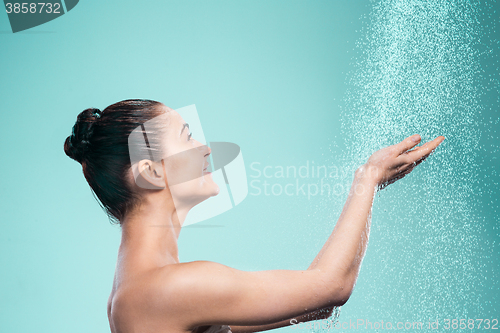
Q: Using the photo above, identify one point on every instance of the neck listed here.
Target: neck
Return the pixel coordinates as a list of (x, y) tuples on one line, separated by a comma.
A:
[(151, 232)]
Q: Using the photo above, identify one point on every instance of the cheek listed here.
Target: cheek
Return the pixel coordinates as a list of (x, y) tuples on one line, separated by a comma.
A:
[(183, 168)]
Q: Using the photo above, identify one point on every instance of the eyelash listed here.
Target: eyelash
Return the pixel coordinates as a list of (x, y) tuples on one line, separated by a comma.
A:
[(189, 136)]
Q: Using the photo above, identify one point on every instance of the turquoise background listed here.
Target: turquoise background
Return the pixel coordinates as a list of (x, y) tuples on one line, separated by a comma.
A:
[(267, 75)]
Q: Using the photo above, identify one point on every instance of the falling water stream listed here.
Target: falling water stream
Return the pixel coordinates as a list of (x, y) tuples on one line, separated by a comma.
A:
[(416, 71)]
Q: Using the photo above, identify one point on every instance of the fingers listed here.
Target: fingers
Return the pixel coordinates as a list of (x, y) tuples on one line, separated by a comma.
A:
[(402, 164), (408, 167), (408, 143), (424, 151), (409, 160)]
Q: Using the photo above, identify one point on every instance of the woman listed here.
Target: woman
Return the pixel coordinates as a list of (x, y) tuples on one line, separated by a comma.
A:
[(152, 291)]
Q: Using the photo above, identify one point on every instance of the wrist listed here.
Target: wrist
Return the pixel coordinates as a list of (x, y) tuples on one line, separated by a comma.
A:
[(368, 175)]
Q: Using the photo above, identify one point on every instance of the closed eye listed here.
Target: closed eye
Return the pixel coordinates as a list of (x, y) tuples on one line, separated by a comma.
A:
[(189, 136)]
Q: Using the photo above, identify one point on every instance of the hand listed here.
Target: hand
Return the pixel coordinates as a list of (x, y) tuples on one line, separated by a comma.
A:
[(394, 162)]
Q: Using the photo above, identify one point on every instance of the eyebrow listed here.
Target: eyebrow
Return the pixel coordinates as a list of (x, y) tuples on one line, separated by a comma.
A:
[(183, 127)]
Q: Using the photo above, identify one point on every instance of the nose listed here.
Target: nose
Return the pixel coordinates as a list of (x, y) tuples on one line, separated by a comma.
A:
[(206, 150)]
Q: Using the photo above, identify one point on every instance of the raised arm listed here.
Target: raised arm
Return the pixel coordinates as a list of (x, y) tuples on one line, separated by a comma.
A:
[(207, 293), (346, 246)]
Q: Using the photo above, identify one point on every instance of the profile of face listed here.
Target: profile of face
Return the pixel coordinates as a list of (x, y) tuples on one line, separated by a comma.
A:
[(185, 162)]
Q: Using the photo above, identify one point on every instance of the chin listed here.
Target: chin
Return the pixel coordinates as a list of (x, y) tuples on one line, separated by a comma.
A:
[(213, 193), (216, 190)]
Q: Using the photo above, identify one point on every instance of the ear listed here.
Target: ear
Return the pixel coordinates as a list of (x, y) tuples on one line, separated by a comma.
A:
[(150, 175)]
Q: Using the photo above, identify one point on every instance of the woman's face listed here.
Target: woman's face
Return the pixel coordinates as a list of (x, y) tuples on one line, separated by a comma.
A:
[(186, 164)]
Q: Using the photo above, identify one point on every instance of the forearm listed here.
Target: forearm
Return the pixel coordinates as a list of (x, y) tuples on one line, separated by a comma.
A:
[(341, 256)]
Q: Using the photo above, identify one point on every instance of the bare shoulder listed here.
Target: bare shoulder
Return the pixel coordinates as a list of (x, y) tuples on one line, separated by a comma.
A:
[(159, 297), (143, 301)]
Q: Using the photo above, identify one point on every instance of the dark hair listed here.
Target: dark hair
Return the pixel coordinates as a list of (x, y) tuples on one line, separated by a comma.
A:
[(99, 142)]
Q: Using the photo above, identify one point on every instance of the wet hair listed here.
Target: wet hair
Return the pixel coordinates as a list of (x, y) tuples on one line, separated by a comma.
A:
[(99, 142)]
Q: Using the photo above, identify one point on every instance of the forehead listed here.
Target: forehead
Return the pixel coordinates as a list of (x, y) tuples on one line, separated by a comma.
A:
[(174, 118)]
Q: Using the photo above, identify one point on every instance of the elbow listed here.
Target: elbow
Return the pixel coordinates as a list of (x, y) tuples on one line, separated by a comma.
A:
[(337, 300), (336, 289), (346, 288), (341, 292), (343, 296)]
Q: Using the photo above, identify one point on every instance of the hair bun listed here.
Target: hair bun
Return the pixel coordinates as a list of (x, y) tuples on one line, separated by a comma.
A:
[(77, 144)]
